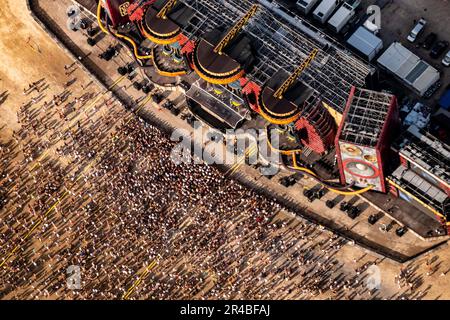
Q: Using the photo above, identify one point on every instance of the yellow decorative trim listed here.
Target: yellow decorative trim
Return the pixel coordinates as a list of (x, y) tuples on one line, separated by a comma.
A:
[(218, 81), (278, 121), (137, 55), (231, 34), (99, 21), (344, 193), (221, 75), (159, 40), (336, 115), (278, 114)]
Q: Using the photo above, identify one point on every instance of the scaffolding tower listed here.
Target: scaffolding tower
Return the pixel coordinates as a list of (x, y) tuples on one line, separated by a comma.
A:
[(364, 138), (279, 44), (366, 117)]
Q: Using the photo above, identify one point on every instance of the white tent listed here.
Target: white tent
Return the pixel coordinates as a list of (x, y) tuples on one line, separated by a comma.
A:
[(408, 67)]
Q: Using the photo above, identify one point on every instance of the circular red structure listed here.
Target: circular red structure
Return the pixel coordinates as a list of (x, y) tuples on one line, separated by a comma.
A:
[(361, 169)]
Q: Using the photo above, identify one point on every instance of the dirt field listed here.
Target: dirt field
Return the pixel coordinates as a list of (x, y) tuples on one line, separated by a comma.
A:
[(28, 54)]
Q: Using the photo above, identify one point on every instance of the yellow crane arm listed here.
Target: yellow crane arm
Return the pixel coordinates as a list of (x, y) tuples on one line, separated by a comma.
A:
[(162, 14), (294, 76), (235, 30)]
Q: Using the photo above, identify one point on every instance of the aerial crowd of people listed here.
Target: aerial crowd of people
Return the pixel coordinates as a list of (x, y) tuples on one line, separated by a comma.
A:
[(92, 186)]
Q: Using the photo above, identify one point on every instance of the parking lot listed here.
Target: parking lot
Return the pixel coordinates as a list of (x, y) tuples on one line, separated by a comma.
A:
[(398, 18)]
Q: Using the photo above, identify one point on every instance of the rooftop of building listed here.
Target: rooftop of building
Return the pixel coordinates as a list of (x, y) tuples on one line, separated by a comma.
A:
[(426, 151), (409, 67), (421, 189), (280, 44), (217, 107), (366, 117)]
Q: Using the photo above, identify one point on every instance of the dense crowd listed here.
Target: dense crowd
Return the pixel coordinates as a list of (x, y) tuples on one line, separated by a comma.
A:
[(98, 190)]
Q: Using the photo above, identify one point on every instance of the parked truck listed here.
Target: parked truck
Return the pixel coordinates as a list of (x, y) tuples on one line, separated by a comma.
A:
[(343, 16), (325, 9), (305, 6)]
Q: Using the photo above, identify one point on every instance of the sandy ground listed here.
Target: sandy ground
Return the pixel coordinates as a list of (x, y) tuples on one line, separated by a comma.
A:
[(28, 54), (25, 52)]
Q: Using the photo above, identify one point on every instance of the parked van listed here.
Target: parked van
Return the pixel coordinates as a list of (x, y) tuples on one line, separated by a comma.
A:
[(306, 6), (417, 30), (325, 10), (342, 16)]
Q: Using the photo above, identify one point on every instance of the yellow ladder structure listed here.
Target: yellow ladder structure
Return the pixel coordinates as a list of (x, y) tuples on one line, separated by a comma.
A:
[(235, 30), (162, 14), (294, 76)]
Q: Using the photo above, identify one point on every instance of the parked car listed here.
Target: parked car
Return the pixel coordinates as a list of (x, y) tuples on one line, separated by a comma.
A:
[(432, 90), (446, 60), (438, 49), (429, 41), (401, 231), (417, 30)]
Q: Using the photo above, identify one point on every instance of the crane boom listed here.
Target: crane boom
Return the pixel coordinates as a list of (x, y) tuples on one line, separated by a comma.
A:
[(293, 77), (162, 14), (235, 30)]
